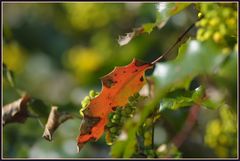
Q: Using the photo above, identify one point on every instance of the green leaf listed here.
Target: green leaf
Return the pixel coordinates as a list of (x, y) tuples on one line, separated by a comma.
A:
[(175, 103), (198, 94), (228, 80), (211, 104), (39, 108), (130, 149), (117, 149), (182, 100), (8, 74), (164, 11), (167, 9), (195, 58), (148, 27), (126, 148)]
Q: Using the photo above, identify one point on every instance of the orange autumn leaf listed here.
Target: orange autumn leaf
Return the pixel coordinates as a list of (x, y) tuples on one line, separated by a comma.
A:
[(117, 87)]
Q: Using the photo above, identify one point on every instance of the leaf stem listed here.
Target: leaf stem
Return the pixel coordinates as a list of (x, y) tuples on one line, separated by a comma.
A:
[(180, 38)]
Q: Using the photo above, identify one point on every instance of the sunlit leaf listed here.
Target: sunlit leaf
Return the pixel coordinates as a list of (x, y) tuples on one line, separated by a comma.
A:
[(175, 103), (194, 58), (167, 9), (117, 87), (198, 94), (164, 10), (211, 104), (148, 27), (183, 98)]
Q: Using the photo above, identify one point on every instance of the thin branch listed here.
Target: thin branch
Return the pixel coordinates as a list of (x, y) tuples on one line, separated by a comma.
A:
[(180, 38), (187, 127)]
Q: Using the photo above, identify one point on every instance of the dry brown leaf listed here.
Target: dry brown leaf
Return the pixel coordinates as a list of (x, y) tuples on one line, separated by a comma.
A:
[(55, 119), (16, 111), (123, 40)]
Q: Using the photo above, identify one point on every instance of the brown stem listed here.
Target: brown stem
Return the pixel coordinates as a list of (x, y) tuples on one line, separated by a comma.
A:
[(188, 125)]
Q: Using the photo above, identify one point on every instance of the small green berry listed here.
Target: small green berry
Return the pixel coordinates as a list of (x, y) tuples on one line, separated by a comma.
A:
[(114, 121), (116, 117), (207, 34), (122, 120), (147, 142), (81, 113), (147, 135), (92, 93), (136, 95), (84, 104), (118, 110), (128, 110), (85, 101), (123, 113), (214, 22), (217, 37), (110, 116), (203, 22), (226, 12), (131, 99), (109, 142), (113, 130), (109, 125), (200, 14), (222, 29), (200, 34), (149, 122), (151, 153)]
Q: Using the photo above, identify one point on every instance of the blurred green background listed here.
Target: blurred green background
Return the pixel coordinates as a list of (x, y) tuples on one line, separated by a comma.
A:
[(58, 52)]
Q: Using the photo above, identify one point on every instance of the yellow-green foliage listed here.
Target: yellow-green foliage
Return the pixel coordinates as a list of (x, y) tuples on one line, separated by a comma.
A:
[(221, 133), (218, 21)]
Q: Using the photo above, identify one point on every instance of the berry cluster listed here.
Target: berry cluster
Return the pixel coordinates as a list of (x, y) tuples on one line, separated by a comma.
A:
[(118, 117), (218, 22), (146, 132), (221, 133), (148, 138)]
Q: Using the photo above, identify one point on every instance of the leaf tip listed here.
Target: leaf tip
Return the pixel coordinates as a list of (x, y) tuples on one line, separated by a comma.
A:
[(47, 135), (123, 40), (79, 147)]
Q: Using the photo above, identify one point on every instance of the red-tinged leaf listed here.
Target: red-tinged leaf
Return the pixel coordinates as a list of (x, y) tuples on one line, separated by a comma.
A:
[(117, 87)]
